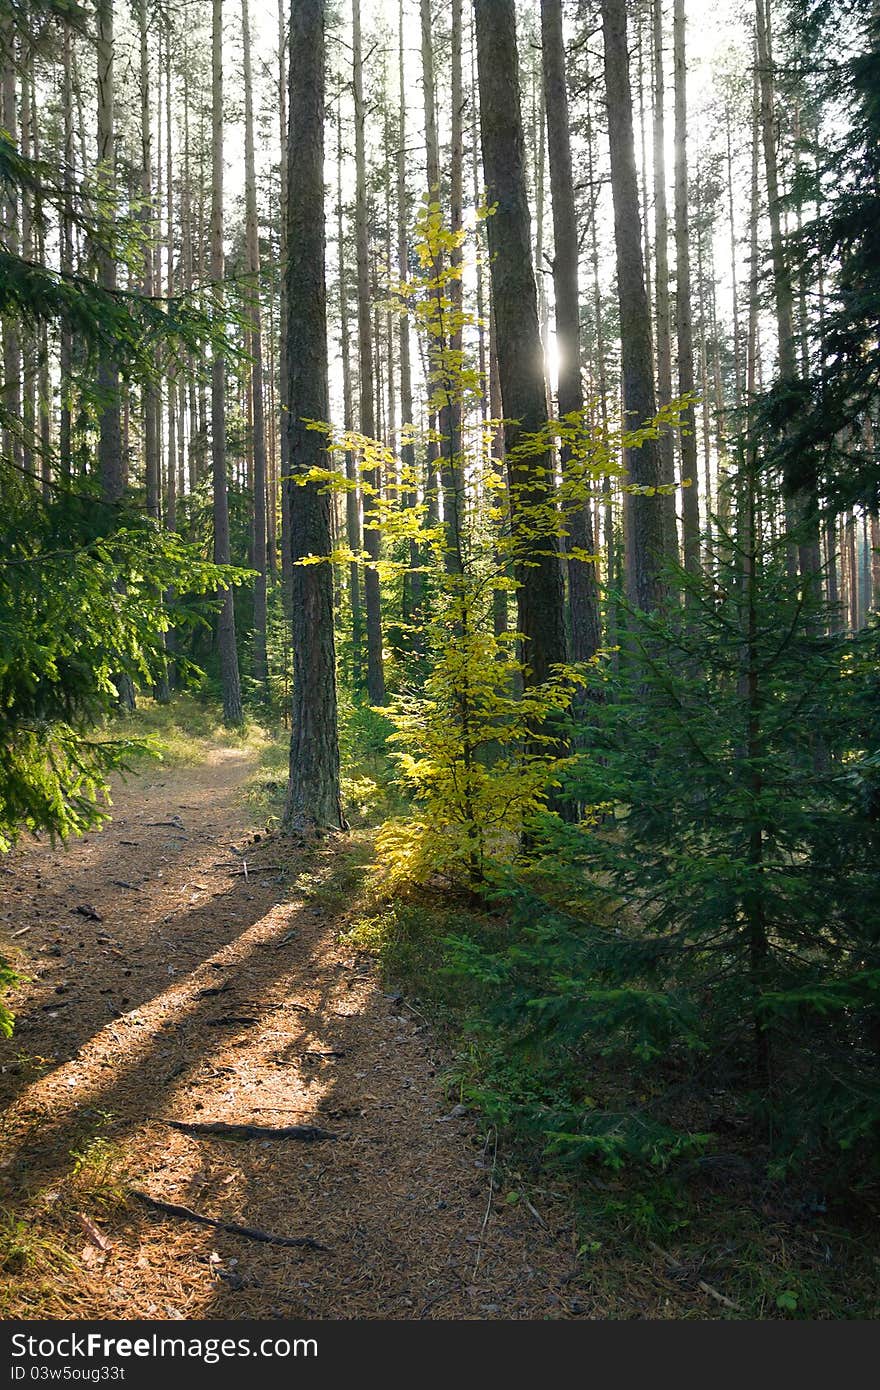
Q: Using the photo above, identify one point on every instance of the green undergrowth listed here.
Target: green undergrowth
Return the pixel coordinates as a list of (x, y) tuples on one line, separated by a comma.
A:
[(186, 729), (369, 793), (678, 1213)]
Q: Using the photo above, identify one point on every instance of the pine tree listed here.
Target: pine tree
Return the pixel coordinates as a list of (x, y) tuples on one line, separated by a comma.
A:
[(520, 357), (313, 791)]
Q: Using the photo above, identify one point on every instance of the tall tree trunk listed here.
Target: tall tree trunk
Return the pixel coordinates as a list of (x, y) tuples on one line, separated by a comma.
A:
[(520, 359), (28, 243), (440, 347), (432, 170), (496, 411), (683, 308), (582, 588), (65, 344), (44, 387), (804, 514), (371, 480), (170, 371), (661, 285), (413, 580), (110, 442), (149, 394), (313, 790), (352, 505), (538, 144), (451, 415), (187, 271), (283, 64), (11, 387), (643, 517), (228, 652), (643, 152), (252, 237), (482, 337)]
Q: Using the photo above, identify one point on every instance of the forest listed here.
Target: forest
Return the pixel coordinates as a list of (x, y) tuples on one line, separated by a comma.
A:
[(439, 659)]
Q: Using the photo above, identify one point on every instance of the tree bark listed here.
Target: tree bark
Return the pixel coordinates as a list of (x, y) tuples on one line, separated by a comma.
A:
[(371, 480), (661, 285), (65, 344), (313, 790), (683, 308), (352, 505), (252, 238), (582, 587), (643, 516), (803, 516), (110, 464), (11, 386), (149, 394), (520, 359), (413, 580), (283, 78), (228, 652)]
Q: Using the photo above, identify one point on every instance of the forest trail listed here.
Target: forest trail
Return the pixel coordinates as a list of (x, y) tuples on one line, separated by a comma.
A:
[(167, 984)]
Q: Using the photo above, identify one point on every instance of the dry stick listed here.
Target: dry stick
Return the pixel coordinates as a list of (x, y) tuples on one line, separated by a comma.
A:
[(251, 1232), (673, 1263), (308, 1133), (488, 1202)]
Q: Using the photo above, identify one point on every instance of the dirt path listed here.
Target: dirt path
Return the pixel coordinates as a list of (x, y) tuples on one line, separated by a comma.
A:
[(167, 985)]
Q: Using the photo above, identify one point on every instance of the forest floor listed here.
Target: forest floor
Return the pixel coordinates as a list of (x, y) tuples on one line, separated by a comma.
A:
[(168, 983), (188, 965)]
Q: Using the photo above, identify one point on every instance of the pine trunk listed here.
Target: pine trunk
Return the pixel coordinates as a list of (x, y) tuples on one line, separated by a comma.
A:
[(643, 516), (582, 587), (226, 643), (313, 791), (683, 308), (661, 284), (371, 480), (252, 239), (520, 359)]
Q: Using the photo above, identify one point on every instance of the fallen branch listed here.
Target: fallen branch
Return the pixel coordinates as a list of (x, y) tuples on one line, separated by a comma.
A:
[(675, 1265), (286, 939), (488, 1210), (719, 1297), (308, 1133), (250, 1232)]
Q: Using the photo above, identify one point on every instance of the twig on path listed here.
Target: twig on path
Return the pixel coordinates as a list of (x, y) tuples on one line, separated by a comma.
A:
[(308, 1133), (282, 1109), (488, 1202), (673, 1264), (287, 938), (437, 1298), (250, 1232), (719, 1297), (536, 1214)]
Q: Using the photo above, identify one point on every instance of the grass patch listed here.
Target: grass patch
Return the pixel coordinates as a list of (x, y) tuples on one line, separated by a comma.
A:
[(184, 731)]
